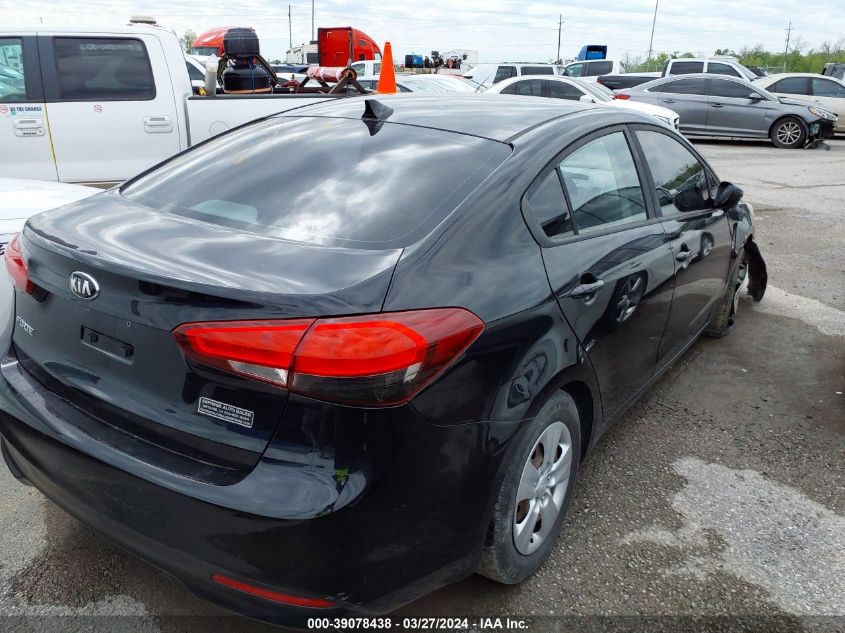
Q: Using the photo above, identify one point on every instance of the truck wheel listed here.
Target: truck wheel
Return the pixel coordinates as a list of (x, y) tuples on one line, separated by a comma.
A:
[(535, 494), (789, 133)]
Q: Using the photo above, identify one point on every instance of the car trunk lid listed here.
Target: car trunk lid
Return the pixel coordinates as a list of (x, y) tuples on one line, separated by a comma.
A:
[(114, 355)]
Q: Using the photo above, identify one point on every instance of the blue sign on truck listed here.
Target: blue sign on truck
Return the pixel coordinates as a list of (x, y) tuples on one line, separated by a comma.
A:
[(592, 51)]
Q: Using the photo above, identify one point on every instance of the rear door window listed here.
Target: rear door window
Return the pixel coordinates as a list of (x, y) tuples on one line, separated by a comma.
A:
[(527, 87), (103, 69), (346, 183), (686, 68), (564, 90), (792, 86), (685, 86), (548, 206), (730, 89), (602, 184)]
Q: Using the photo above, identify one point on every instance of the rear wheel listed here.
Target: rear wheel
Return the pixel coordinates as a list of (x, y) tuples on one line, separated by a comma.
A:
[(535, 493), (789, 133), (723, 322)]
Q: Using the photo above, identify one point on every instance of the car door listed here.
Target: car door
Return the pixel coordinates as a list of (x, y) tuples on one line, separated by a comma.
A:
[(607, 259), (24, 129), (688, 97), (830, 94), (732, 112), (111, 104), (699, 235)]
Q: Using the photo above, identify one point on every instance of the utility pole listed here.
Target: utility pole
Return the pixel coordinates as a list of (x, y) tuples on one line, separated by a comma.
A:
[(312, 20), (786, 51), (651, 40), (559, 30), (290, 29)]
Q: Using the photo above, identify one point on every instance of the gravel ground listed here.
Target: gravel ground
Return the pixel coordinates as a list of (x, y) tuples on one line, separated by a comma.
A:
[(721, 495)]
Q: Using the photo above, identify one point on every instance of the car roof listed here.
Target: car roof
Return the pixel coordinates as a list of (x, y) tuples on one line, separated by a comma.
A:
[(668, 78), (496, 117)]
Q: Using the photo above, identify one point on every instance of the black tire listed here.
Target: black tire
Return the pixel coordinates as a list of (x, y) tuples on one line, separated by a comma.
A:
[(789, 133), (500, 559), (723, 321)]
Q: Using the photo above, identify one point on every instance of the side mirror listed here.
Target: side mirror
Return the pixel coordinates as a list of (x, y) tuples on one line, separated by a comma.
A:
[(755, 96), (728, 196), (587, 99)]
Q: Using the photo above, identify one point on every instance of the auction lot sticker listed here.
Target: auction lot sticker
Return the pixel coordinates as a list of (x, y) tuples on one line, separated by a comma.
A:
[(225, 412)]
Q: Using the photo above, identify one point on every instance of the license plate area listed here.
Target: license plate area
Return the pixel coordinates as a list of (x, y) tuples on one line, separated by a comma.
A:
[(119, 350)]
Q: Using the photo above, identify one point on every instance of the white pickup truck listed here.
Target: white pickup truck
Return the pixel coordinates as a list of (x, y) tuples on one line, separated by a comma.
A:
[(96, 105)]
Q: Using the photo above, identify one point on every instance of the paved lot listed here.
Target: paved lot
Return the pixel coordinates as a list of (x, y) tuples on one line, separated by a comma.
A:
[(721, 493)]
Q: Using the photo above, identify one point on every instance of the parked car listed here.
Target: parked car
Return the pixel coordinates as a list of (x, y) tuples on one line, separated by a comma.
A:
[(20, 200), (726, 66), (487, 75), (344, 398), (422, 83), (120, 101), (827, 92), (736, 108), (572, 89)]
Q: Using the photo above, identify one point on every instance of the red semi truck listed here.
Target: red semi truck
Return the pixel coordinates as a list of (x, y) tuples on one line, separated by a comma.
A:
[(335, 45)]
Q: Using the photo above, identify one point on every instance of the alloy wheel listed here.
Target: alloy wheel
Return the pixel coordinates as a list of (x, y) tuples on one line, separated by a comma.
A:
[(789, 132), (542, 488)]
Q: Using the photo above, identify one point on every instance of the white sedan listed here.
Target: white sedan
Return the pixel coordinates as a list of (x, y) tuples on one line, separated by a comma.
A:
[(557, 87), (19, 200), (827, 92)]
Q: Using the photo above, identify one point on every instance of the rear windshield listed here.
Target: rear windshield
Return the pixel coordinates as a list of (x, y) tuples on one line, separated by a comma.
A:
[(324, 180)]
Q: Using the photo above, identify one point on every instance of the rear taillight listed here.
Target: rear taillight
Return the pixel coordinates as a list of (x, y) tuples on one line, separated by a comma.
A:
[(371, 360), (621, 96), (17, 267)]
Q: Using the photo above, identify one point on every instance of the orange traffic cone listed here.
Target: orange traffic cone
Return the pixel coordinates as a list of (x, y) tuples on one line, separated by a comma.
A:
[(387, 77)]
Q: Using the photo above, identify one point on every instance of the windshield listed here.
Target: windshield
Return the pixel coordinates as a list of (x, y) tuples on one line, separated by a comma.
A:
[(346, 182), (599, 92)]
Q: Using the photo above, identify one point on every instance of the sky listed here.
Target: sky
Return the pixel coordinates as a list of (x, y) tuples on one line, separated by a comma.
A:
[(499, 30)]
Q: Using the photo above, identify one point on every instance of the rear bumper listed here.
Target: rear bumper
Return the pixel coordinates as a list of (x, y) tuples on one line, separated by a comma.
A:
[(415, 521)]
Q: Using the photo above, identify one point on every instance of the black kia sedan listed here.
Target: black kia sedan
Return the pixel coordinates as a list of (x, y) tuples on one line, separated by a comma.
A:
[(337, 401)]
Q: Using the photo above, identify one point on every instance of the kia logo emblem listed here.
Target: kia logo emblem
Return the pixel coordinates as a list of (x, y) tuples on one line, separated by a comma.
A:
[(84, 285)]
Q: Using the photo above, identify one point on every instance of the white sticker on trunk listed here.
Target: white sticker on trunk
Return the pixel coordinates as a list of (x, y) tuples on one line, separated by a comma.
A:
[(226, 412)]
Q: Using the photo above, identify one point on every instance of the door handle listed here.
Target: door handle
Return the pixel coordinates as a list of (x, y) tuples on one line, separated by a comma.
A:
[(684, 255), (668, 100), (28, 127), (158, 124), (716, 105), (585, 291)]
